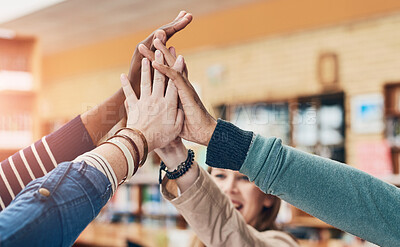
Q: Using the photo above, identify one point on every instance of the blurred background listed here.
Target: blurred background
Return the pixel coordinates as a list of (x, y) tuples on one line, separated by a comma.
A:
[(322, 75)]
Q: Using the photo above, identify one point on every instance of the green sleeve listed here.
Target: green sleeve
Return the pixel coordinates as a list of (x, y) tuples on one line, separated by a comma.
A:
[(336, 193)]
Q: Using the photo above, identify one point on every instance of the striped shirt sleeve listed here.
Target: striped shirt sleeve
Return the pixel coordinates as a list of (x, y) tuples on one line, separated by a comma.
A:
[(35, 161)]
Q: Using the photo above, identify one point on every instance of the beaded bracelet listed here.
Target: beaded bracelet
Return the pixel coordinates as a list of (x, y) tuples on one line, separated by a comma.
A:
[(180, 170)]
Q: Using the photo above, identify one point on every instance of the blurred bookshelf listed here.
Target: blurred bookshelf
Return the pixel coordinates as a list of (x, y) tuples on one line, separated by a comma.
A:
[(314, 124), (19, 84), (318, 126), (392, 119), (139, 206)]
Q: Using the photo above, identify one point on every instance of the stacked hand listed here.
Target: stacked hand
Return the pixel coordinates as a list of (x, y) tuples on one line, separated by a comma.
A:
[(199, 124), (157, 112), (163, 33)]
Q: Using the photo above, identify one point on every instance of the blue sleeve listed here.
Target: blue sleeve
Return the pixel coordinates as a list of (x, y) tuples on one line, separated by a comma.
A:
[(53, 210), (338, 194)]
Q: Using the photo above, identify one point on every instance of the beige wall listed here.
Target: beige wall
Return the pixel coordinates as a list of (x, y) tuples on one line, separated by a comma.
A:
[(284, 66), (271, 68)]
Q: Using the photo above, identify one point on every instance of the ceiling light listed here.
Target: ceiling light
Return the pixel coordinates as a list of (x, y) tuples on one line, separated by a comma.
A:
[(11, 10)]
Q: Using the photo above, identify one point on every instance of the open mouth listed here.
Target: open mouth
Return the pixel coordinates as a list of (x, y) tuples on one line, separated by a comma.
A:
[(237, 205)]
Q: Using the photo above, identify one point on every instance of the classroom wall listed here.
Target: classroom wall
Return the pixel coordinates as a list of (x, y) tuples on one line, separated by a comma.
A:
[(285, 66), (269, 62)]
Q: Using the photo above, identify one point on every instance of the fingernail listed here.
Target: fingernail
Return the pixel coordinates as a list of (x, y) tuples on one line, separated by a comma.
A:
[(180, 59), (158, 53), (124, 79), (145, 61)]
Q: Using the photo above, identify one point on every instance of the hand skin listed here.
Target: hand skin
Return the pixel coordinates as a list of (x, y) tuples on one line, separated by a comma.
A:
[(99, 120), (156, 115), (199, 125), (173, 154), (164, 33)]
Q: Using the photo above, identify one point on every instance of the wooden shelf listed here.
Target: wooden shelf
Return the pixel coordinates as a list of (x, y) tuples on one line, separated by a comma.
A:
[(101, 234), (308, 221)]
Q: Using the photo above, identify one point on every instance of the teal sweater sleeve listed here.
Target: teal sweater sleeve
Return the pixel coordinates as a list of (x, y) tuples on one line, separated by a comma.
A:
[(338, 194)]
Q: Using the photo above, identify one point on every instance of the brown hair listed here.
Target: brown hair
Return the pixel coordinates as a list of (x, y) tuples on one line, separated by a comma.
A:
[(266, 220)]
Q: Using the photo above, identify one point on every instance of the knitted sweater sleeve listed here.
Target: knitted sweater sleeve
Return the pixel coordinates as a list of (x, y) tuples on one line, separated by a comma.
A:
[(338, 194), (41, 157)]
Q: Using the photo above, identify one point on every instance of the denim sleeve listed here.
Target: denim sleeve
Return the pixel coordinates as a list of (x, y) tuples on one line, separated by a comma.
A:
[(338, 194), (55, 209)]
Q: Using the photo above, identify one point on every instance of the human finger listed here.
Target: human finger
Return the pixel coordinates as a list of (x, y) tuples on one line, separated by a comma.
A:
[(128, 90), (146, 52), (180, 117), (159, 78), (145, 83), (178, 24), (180, 15), (172, 51), (169, 58), (172, 94)]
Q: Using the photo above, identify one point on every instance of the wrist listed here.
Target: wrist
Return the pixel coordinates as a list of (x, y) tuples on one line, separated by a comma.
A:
[(209, 132), (173, 155), (149, 138), (136, 139)]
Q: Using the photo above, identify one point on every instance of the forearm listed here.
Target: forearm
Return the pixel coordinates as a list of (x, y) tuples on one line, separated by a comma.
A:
[(338, 194), (54, 209), (76, 193), (173, 155), (100, 119), (37, 160), (212, 217)]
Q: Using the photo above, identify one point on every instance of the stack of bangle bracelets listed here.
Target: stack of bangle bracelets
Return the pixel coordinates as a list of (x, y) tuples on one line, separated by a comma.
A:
[(132, 160)]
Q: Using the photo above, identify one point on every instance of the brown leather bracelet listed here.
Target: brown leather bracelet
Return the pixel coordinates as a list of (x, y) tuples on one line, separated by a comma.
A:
[(126, 159), (135, 150), (145, 146)]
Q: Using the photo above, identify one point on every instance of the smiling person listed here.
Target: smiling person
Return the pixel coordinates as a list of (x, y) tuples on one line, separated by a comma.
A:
[(336, 193), (223, 209), (257, 208)]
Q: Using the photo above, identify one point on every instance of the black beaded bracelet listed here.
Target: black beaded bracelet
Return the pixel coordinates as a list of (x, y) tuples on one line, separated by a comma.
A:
[(180, 170)]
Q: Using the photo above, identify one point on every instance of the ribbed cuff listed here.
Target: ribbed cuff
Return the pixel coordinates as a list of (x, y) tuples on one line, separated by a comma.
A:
[(228, 146), (70, 141)]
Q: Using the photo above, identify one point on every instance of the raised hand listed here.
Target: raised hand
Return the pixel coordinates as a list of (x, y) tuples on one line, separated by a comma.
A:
[(163, 34), (199, 124), (156, 115)]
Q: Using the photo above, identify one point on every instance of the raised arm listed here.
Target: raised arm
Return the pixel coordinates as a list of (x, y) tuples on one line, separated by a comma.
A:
[(207, 209), (203, 205), (54, 209), (336, 193), (81, 134)]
